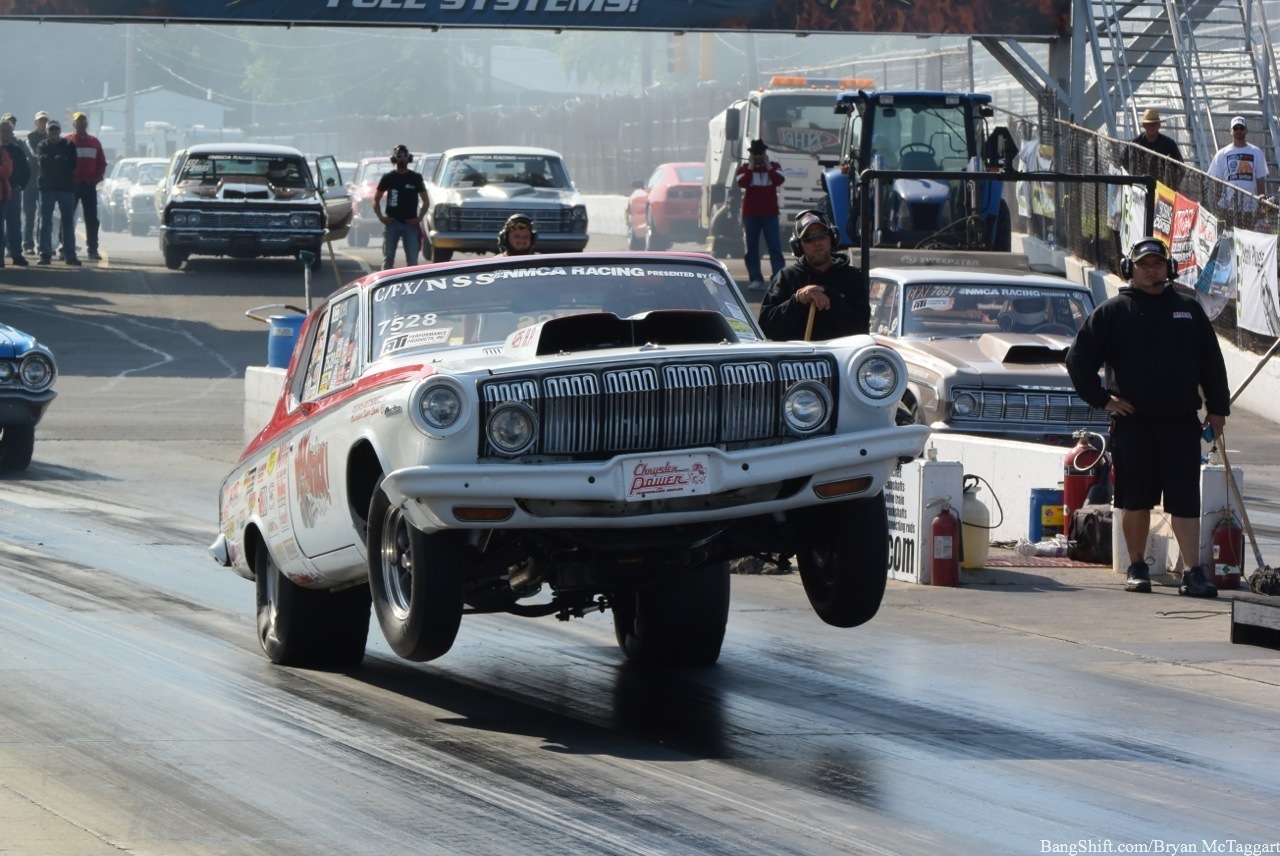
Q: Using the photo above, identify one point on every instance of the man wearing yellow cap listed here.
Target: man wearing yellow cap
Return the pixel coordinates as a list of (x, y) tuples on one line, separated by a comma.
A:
[(91, 167)]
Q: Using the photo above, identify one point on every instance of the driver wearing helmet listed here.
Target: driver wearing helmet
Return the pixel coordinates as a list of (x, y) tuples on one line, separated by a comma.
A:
[(1025, 314), (517, 236)]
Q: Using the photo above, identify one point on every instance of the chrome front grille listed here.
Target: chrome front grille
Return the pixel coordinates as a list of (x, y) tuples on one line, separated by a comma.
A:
[(642, 408), (257, 221), (1032, 407), (465, 218)]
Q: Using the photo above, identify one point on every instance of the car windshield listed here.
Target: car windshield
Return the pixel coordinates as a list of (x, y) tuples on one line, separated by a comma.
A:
[(968, 311), (480, 169), (279, 170), (801, 122), (150, 173), (487, 304), (690, 174), (373, 170)]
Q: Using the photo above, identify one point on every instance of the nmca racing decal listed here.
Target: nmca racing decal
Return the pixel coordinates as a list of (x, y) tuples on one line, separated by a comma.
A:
[(311, 476)]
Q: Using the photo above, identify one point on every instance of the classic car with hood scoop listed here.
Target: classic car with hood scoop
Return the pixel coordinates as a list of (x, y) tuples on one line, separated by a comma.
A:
[(474, 190), (985, 340), (248, 200), (555, 435)]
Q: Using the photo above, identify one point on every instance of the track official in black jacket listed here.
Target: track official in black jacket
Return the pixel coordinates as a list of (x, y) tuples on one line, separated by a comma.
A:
[(819, 278), (1159, 350)]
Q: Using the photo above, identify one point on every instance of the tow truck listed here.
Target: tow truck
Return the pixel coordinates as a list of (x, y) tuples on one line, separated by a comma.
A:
[(794, 117)]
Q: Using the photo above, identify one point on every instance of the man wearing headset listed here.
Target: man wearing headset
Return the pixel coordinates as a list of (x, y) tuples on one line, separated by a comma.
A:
[(821, 282), (403, 188), (517, 236), (1159, 350)]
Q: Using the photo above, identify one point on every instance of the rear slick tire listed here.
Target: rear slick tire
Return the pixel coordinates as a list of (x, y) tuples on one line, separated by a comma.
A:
[(677, 622), (308, 627)]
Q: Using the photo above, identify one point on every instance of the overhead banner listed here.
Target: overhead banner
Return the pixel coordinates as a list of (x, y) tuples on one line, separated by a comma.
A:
[(1032, 18)]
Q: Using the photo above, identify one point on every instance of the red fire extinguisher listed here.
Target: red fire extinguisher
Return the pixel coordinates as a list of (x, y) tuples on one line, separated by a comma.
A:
[(1228, 553), (1081, 470), (944, 570)]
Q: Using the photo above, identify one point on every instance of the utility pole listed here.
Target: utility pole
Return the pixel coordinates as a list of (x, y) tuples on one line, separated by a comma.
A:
[(128, 90)]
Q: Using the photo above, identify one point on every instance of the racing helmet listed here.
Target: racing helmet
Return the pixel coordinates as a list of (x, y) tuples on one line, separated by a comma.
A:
[(1025, 313), (513, 221)]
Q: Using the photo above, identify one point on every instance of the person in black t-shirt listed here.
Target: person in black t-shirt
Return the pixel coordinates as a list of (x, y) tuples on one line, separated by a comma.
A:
[(403, 189)]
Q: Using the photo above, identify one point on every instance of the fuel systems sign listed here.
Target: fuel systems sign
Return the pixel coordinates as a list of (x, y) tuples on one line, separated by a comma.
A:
[(1028, 19)]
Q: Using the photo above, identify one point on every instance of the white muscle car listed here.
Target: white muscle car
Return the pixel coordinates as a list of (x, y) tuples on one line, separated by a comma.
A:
[(611, 430)]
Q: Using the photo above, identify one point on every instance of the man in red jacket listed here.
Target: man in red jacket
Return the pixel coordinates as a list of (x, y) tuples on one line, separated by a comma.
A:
[(759, 179), (91, 167)]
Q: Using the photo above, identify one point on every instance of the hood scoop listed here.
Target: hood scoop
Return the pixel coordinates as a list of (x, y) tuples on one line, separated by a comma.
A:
[(1026, 350), (244, 191), (602, 330)]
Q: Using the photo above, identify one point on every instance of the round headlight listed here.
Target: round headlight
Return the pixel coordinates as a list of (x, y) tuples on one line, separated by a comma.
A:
[(512, 427), (440, 407), (313, 219), (877, 377), (179, 219), (806, 407), (964, 405), (295, 220), (6, 372), (193, 218), (36, 371)]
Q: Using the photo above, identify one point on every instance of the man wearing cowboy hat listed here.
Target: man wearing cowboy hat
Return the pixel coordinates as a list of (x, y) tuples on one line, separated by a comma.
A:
[(1242, 165), (759, 179), (1136, 160)]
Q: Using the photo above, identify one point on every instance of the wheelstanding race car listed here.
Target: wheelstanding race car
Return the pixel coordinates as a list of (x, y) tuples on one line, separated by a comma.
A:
[(552, 435)]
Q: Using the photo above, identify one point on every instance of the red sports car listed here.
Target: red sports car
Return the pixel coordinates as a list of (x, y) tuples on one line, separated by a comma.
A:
[(665, 208)]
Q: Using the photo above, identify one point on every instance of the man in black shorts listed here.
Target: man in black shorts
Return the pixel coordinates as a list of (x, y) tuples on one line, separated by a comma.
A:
[(1159, 350)]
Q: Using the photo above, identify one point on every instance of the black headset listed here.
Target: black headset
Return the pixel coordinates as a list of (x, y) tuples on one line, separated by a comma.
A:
[(797, 245), (512, 221), (395, 153), (1146, 246)]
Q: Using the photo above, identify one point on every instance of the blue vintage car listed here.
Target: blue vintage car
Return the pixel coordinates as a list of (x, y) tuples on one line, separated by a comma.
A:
[(27, 372)]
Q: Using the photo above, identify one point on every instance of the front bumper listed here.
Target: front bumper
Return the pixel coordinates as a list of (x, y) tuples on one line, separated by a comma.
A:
[(241, 244), (19, 408), (594, 495)]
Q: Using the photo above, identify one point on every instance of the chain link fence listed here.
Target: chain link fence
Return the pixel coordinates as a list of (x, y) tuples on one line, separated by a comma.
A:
[(1085, 230)]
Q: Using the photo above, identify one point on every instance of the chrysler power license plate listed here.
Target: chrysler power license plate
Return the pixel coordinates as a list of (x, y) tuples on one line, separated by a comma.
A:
[(666, 476)]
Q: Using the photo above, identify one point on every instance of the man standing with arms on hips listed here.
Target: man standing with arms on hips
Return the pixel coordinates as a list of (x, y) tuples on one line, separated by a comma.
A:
[(56, 157), (759, 179), (31, 194), (91, 168), (821, 282), (1242, 165), (1159, 350), (403, 189)]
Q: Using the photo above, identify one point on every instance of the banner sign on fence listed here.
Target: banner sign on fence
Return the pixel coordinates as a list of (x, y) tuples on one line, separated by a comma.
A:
[(1182, 230), (1162, 228), (1031, 18), (1257, 303)]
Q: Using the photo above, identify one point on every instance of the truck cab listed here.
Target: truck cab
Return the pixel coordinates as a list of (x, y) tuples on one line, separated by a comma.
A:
[(794, 118), (925, 132)]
